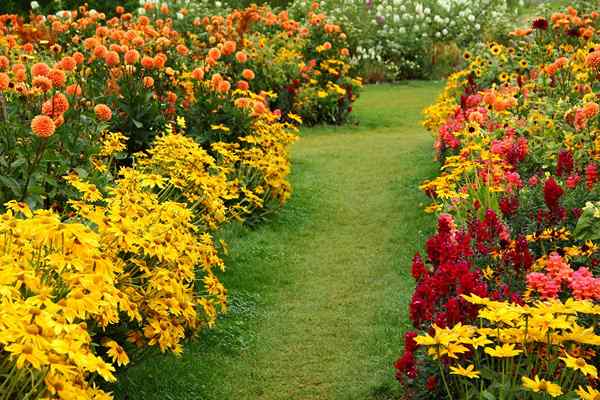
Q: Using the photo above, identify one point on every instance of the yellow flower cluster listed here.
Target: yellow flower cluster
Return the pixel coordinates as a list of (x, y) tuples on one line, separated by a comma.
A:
[(511, 338), (125, 263)]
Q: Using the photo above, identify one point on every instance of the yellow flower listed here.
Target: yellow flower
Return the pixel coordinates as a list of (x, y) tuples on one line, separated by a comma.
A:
[(321, 94), (116, 352), (506, 350), (588, 393), (295, 118), (19, 207), (542, 385), (581, 365), (468, 372), (220, 127)]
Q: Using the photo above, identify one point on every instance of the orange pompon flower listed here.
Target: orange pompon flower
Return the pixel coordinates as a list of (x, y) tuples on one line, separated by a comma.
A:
[(132, 57), (345, 52), (57, 77), (21, 75), (4, 63), (248, 74), (68, 63), (182, 50), (171, 97), (229, 47), (90, 43), (216, 80), (43, 83), (59, 121), (147, 62), (148, 82), (224, 87), (28, 48), (4, 81), (242, 102), (43, 126), (160, 60), (56, 106), (241, 57), (78, 57), (100, 51), (198, 74), (259, 108), (243, 85), (39, 69), (327, 45), (590, 110), (214, 54), (103, 112), (593, 59), (74, 90), (112, 58)]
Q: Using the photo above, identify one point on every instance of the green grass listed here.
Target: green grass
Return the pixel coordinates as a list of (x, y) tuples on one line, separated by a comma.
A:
[(319, 293)]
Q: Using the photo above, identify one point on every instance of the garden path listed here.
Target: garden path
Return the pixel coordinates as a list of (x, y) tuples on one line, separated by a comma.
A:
[(320, 292)]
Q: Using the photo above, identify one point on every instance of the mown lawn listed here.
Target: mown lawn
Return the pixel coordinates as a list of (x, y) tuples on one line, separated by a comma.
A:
[(319, 292)]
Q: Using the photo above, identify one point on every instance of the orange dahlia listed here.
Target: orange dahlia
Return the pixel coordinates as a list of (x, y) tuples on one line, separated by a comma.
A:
[(198, 74), (132, 57), (40, 69), (103, 112), (229, 47), (43, 83), (57, 77), (4, 81), (148, 82), (593, 59), (112, 58), (43, 126), (147, 62), (4, 63), (68, 63), (248, 74), (241, 57)]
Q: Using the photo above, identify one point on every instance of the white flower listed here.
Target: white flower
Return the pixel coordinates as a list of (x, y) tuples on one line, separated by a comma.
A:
[(35, 5)]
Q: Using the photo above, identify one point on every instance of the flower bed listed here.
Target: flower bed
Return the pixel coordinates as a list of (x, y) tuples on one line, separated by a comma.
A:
[(508, 290), (125, 141)]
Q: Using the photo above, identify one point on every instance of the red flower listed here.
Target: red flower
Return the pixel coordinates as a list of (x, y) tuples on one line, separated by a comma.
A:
[(552, 194), (591, 175), (564, 165)]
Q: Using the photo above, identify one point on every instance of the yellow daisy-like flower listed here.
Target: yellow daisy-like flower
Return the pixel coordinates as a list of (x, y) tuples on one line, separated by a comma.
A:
[(588, 393), (506, 350), (220, 127), (581, 365), (468, 372), (542, 385)]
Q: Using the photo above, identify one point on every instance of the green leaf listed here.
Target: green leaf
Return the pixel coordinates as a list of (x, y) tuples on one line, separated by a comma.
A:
[(82, 172), (137, 123), (17, 163), (487, 395), (11, 183)]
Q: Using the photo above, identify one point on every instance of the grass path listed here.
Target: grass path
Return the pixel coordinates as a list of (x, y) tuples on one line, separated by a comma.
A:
[(320, 292)]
